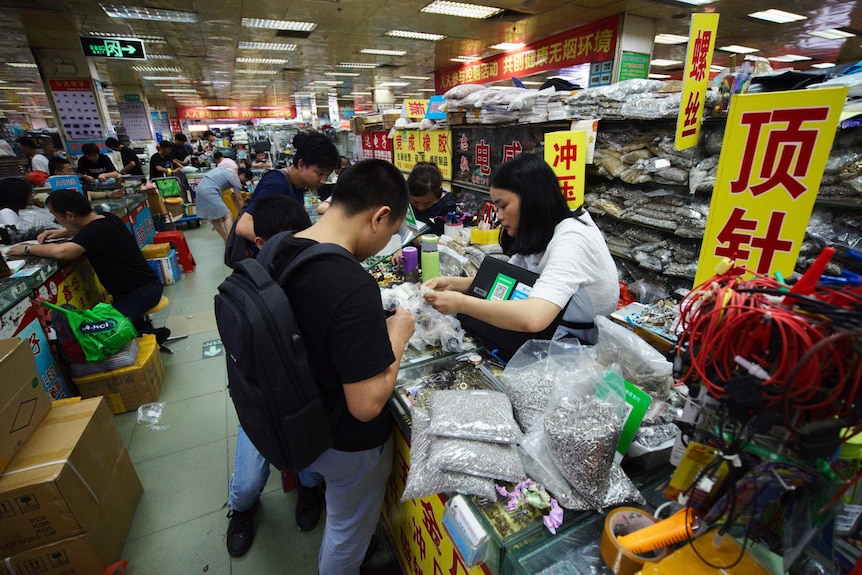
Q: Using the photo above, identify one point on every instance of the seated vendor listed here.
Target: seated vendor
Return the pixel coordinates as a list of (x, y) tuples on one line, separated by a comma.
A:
[(260, 161), (111, 249), (94, 166), (16, 194), (430, 205), (62, 167)]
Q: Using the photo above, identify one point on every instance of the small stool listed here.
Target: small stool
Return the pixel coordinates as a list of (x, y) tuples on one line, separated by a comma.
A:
[(163, 303), (184, 254)]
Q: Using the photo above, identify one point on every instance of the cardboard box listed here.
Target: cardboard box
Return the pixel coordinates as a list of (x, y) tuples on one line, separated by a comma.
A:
[(127, 388), (52, 487), (166, 268), (102, 543), (151, 251), (23, 400)]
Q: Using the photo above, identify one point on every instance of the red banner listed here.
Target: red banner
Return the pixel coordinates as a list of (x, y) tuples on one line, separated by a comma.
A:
[(236, 113), (69, 85), (593, 42)]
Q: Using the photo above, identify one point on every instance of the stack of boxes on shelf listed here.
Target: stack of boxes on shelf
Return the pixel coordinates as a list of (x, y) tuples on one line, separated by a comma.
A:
[(163, 260), (68, 489)]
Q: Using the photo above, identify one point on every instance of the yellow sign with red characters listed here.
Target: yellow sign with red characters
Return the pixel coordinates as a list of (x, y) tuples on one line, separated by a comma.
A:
[(413, 146), (566, 152), (698, 59), (772, 159), (415, 109), (416, 527)]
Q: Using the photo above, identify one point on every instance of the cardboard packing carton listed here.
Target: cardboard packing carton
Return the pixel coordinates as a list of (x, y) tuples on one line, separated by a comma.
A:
[(23, 399), (52, 487), (127, 388)]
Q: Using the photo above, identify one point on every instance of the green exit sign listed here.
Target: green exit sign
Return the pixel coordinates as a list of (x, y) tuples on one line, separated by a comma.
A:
[(116, 48)]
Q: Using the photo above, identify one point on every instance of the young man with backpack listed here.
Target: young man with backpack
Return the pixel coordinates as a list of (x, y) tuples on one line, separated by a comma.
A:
[(352, 350)]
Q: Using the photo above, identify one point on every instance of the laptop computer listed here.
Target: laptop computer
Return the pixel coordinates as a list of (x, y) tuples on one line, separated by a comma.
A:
[(499, 280)]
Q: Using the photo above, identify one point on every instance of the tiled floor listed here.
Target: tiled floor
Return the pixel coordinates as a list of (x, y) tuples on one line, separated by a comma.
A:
[(180, 524)]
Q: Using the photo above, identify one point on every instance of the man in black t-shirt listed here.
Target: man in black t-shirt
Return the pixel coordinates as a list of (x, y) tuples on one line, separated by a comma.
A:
[(353, 350), (131, 161), (110, 247), (95, 166)]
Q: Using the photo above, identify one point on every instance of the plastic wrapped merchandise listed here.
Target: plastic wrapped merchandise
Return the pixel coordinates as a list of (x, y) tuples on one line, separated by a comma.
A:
[(423, 479), (642, 364), (495, 460), (525, 380), (473, 414)]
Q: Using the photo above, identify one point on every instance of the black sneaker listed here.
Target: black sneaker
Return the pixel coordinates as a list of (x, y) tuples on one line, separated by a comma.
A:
[(240, 532), (309, 506)]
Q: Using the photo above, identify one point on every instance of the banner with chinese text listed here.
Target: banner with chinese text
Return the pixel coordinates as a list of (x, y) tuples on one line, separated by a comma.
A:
[(236, 113), (772, 159), (416, 527), (566, 153), (376, 145), (415, 109), (698, 60), (590, 43), (413, 146)]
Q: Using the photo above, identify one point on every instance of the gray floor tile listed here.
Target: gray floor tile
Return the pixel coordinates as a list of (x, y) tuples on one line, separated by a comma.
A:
[(180, 487), (188, 324), (190, 423), (192, 303), (195, 378), (126, 423), (196, 546), (188, 349)]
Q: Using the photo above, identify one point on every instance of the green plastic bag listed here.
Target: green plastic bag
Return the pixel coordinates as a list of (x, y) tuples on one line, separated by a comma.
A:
[(101, 331)]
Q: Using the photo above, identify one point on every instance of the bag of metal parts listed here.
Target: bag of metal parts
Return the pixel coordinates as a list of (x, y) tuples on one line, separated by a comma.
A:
[(278, 402)]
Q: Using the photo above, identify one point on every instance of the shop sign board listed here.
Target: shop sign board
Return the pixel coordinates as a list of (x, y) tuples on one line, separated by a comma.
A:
[(633, 66), (382, 146), (413, 146), (772, 159), (566, 153), (75, 283), (65, 183), (698, 59), (590, 43), (415, 109), (253, 113), (114, 48), (416, 527)]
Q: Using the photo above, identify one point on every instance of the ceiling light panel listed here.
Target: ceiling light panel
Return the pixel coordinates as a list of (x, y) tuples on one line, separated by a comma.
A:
[(259, 72), (658, 76), (777, 16), (328, 82), (342, 74), (660, 62), (417, 77), (393, 84), (832, 34), (261, 61), (465, 59), (138, 13), (697, 2), (357, 65), (427, 90), (159, 57), (21, 65), (460, 9), (670, 39), (377, 52), (428, 37), (507, 46), (274, 46), (279, 24), (823, 65), (165, 78), (156, 69), (737, 49), (789, 58), (179, 90)]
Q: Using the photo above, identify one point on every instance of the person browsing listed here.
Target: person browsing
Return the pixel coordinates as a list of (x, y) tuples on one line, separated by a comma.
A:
[(36, 161), (95, 166), (62, 167), (211, 206)]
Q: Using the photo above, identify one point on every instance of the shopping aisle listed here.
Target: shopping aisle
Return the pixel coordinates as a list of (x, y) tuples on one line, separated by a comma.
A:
[(180, 524)]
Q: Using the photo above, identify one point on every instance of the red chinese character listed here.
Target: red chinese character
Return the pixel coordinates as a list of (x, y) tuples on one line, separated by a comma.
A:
[(405, 548), (692, 113), (35, 346), (399, 141), (442, 143), (735, 240), (511, 150), (416, 108), (67, 293), (567, 188), (418, 539), (567, 154), (771, 243), (403, 469), (483, 158), (411, 142), (457, 563), (431, 525), (464, 165), (463, 143), (699, 54), (783, 148), (426, 142)]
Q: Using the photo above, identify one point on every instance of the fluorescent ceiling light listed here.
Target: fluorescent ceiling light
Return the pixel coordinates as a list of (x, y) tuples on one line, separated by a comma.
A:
[(279, 24), (21, 64), (427, 90), (361, 94), (392, 84), (697, 2), (789, 58), (823, 65), (377, 52), (777, 16), (832, 34), (739, 49), (165, 78), (342, 74), (715, 68), (465, 59), (137, 13), (358, 65), (156, 69), (218, 108), (428, 37), (506, 46), (417, 77), (178, 90), (159, 57), (260, 72), (261, 61), (328, 82), (670, 39), (661, 63), (275, 46), (144, 37), (658, 76), (31, 93), (460, 9), (11, 88)]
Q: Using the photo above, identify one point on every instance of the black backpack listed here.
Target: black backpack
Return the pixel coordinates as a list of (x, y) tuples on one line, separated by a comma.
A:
[(278, 401)]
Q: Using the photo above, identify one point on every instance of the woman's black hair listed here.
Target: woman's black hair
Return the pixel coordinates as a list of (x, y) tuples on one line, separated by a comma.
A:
[(425, 178), (15, 193), (542, 203)]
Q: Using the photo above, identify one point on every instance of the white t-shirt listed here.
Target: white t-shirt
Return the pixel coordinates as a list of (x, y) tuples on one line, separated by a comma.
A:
[(229, 164), (577, 258), (39, 163)]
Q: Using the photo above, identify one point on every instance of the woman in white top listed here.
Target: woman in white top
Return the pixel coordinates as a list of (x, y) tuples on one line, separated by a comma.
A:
[(540, 233)]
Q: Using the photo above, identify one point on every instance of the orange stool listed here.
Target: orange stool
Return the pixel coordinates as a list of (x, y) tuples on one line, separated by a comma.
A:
[(184, 255)]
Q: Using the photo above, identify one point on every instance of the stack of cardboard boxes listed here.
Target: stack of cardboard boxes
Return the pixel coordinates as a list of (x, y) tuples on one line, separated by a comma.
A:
[(68, 495)]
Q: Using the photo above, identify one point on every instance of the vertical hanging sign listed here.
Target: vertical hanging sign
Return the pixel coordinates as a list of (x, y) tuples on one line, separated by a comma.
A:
[(772, 160), (566, 152), (698, 60)]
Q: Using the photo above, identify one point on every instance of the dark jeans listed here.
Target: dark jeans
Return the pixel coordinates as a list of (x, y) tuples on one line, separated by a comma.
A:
[(135, 303)]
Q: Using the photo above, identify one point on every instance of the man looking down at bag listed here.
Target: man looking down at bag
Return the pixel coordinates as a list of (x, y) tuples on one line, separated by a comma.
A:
[(111, 249)]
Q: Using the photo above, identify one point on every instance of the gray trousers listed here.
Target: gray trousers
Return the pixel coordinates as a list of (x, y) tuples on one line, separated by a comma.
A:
[(355, 486)]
